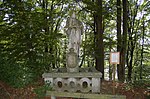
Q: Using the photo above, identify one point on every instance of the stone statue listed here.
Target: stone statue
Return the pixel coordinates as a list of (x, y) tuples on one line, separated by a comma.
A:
[(72, 61), (74, 31), (70, 78)]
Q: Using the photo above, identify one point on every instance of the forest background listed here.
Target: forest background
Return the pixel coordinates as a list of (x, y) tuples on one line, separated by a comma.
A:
[(33, 38)]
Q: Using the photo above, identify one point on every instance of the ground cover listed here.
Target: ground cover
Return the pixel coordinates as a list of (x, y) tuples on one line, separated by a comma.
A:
[(28, 92)]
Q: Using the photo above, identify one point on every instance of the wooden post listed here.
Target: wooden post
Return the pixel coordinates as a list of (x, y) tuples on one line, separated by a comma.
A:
[(114, 74), (114, 60)]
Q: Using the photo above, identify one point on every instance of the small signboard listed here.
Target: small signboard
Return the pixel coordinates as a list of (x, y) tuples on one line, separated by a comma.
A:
[(114, 57)]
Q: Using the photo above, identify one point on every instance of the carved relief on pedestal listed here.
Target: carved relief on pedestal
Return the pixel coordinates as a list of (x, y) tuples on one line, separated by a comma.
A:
[(72, 61)]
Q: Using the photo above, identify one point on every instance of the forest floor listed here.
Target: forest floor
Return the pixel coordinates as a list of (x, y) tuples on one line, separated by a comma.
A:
[(7, 92)]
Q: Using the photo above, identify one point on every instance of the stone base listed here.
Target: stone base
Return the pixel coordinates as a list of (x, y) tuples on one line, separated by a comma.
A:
[(70, 70), (84, 96), (74, 82)]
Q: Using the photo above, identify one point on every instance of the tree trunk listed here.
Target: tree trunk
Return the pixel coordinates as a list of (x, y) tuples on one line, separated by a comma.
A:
[(110, 66), (46, 28), (110, 72), (124, 43), (119, 34), (99, 51), (130, 52), (132, 40), (142, 50)]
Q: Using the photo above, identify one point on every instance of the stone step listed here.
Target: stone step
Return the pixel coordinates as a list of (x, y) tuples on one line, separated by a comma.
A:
[(84, 95)]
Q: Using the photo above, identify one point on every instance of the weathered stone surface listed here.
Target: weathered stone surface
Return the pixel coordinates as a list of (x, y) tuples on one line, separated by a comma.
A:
[(72, 61), (62, 70), (86, 85), (74, 30), (95, 85), (85, 96), (69, 75), (73, 82)]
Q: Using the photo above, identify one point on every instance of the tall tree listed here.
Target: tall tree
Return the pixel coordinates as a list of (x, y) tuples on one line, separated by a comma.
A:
[(119, 34), (132, 37), (142, 49), (99, 51), (121, 76)]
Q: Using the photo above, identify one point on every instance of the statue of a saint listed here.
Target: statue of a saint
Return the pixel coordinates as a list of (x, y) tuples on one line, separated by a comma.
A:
[(74, 31)]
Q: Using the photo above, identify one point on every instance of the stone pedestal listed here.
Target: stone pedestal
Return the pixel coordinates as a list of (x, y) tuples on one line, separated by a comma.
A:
[(74, 82), (72, 61)]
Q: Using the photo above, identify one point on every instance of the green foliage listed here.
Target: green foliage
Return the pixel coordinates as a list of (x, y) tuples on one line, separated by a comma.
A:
[(41, 90), (142, 84), (15, 75), (27, 29)]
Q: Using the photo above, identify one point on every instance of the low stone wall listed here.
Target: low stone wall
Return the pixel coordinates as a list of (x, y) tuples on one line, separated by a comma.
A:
[(83, 95)]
